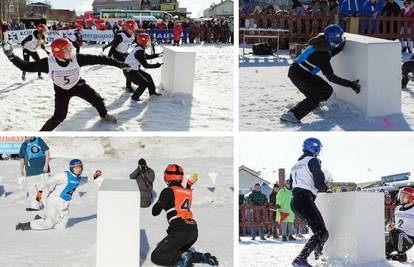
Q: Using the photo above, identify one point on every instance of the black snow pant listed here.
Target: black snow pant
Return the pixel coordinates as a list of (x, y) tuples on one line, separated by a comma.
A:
[(303, 205), (315, 89), (121, 58), (143, 80), (398, 241), (407, 67), (26, 56), (168, 252), (62, 98)]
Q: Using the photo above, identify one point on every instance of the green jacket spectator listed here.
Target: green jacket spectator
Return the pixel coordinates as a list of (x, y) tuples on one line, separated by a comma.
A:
[(283, 199)]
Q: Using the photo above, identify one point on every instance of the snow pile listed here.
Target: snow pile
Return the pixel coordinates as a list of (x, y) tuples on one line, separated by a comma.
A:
[(27, 105), (266, 93), (76, 245), (274, 252)]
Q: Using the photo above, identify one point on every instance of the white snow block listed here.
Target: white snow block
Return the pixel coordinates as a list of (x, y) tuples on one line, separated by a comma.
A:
[(177, 74), (355, 221), (377, 64), (118, 224)]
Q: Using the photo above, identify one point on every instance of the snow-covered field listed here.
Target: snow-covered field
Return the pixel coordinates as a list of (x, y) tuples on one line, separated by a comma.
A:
[(273, 252), (266, 92), (27, 105), (74, 246)]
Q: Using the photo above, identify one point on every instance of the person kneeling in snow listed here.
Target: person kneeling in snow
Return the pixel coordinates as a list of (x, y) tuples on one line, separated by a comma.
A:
[(303, 73), (135, 59), (57, 203), (401, 237), (182, 231)]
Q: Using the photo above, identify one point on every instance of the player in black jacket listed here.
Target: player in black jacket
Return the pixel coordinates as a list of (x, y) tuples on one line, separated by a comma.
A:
[(303, 73), (64, 69), (307, 179), (32, 43), (407, 72), (135, 59), (182, 231), (77, 41)]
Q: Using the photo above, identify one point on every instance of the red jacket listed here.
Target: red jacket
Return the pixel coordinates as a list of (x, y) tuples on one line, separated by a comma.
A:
[(178, 29)]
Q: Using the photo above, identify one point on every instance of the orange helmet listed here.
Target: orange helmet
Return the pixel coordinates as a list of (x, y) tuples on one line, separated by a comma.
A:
[(409, 191), (58, 46), (173, 172), (143, 39), (129, 26), (41, 28), (79, 27)]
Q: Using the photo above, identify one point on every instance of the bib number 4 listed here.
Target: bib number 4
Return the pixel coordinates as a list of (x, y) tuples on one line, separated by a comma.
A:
[(185, 205)]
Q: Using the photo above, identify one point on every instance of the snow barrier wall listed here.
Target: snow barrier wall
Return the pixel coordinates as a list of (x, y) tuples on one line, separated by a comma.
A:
[(177, 74), (377, 64), (118, 224), (355, 221)]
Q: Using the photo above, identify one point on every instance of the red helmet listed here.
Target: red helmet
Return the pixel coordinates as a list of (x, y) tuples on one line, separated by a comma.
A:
[(410, 193), (173, 172), (41, 28), (79, 27), (143, 39), (129, 25), (120, 22), (58, 46)]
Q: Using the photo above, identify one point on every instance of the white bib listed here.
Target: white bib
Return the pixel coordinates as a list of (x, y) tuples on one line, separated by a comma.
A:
[(131, 60), (64, 77), (126, 42), (302, 176), (34, 44), (404, 220)]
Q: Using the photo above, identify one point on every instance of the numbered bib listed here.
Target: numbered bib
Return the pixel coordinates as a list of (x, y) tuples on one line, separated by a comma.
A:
[(71, 185), (126, 42), (64, 77)]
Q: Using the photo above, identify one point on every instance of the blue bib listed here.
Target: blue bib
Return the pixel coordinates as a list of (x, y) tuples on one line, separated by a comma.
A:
[(301, 60), (71, 185), (33, 150)]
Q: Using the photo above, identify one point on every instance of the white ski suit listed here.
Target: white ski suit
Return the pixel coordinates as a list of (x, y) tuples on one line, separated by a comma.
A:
[(61, 188)]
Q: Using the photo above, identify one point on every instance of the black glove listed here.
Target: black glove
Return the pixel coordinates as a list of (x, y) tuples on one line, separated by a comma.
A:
[(355, 86), (8, 49), (157, 65)]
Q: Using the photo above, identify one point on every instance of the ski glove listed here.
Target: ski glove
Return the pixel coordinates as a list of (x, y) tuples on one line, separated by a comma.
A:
[(157, 65), (356, 86), (194, 177), (8, 49)]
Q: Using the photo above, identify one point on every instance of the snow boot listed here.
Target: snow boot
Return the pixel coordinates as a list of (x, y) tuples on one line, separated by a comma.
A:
[(284, 238), (32, 209), (109, 118), (291, 238), (209, 259), (185, 260), (299, 262), (23, 226), (137, 94), (401, 257), (129, 89), (289, 117), (262, 238), (24, 77), (156, 94), (40, 77)]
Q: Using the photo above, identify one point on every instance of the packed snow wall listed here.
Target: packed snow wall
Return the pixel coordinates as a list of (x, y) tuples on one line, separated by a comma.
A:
[(118, 226), (377, 64), (177, 74), (355, 221)]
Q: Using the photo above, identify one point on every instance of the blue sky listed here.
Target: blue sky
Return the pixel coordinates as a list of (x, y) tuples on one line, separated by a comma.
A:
[(350, 157), (195, 6)]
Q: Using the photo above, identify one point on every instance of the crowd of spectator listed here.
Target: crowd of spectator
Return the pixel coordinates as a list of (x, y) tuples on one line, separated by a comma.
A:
[(278, 211), (213, 30)]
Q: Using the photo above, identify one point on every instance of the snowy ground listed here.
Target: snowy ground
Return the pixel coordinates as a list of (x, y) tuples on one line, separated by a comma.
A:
[(117, 157), (273, 252), (266, 92), (27, 105)]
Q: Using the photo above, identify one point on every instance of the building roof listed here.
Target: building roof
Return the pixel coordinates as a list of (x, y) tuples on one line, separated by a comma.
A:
[(113, 2), (253, 173), (221, 3)]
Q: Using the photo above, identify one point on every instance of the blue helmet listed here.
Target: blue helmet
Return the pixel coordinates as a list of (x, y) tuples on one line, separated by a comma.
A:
[(334, 34), (312, 145), (75, 163)]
